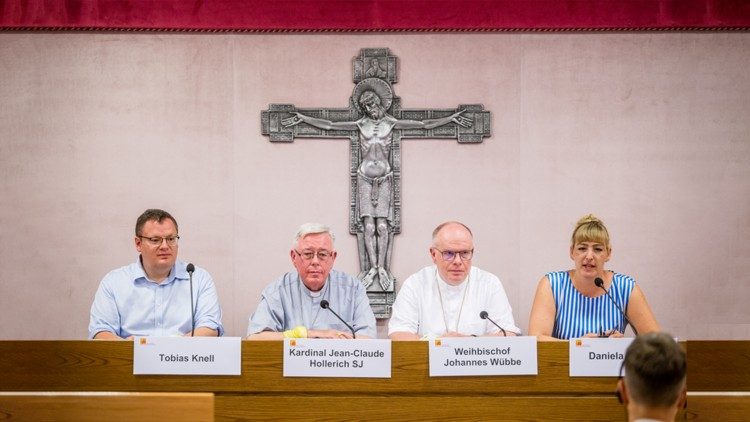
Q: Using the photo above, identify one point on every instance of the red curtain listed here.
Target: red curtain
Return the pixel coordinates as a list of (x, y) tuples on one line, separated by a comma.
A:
[(374, 15)]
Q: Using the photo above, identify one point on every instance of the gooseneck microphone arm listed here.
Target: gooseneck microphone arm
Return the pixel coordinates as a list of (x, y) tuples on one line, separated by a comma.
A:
[(485, 315), (600, 283), (324, 304), (190, 270)]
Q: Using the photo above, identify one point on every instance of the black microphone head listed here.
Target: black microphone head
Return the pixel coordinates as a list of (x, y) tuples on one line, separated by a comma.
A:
[(599, 282), (483, 315), (324, 304), (190, 268)]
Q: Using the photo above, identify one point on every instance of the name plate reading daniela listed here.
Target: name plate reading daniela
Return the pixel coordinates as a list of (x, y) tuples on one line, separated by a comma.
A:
[(597, 357), (460, 356), (367, 358), (187, 356)]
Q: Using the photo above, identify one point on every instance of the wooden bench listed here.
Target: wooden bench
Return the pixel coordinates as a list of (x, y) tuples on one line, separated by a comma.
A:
[(110, 407)]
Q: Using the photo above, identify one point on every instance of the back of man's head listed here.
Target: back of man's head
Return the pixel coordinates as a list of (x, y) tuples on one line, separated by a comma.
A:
[(655, 370)]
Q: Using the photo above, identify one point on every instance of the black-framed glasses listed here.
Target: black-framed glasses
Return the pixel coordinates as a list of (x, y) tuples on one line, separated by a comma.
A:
[(157, 241), (451, 255), (310, 255)]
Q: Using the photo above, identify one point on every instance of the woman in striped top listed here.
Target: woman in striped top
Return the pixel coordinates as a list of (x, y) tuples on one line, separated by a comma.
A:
[(568, 304)]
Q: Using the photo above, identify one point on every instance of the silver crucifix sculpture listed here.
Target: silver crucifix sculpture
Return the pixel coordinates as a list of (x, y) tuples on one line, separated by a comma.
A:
[(375, 123)]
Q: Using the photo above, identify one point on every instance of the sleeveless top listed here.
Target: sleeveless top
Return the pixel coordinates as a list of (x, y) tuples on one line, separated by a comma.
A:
[(577, 315)]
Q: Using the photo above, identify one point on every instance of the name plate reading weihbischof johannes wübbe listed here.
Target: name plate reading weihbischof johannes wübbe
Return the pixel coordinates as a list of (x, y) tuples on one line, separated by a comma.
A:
[(461, 356), (597, 357), (366, 358), (187, 356)]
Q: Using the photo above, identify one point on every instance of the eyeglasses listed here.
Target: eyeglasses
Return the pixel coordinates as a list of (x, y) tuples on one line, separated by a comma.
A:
[(451, 255), (156, 241), (310, 255)]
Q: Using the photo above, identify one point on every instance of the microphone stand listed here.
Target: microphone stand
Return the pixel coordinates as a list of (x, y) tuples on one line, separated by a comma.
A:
[(324, 305), (485, 315), (190, 269), (600, 283)]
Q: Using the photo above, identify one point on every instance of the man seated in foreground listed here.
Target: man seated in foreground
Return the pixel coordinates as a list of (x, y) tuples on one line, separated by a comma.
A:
[(291, 306), (654, 386)]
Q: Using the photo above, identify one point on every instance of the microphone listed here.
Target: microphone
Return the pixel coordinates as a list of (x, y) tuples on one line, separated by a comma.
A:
[(191, 269), (485, 315), (600, 283), (324, 305)]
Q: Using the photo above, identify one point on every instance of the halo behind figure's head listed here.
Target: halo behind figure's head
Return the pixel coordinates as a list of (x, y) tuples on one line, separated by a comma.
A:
[(379, 87)]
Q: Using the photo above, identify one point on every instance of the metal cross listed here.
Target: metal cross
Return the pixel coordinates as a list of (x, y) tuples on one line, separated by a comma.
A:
[(375, 123)]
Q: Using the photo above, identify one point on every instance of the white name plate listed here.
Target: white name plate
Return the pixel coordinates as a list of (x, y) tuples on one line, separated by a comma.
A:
[(187, 356), (597, 357), (366, 358), (458, 356)]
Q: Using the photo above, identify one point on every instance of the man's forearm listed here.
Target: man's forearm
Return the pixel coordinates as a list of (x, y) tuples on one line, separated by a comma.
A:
[(403, 336), (204, 332), (106, 335), (266, 335)]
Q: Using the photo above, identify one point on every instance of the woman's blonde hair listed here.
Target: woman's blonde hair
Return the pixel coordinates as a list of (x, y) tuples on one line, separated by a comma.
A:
[(590, 229)]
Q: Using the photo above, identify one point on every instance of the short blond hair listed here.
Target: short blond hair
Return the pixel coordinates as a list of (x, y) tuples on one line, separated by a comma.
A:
[(590, 229)]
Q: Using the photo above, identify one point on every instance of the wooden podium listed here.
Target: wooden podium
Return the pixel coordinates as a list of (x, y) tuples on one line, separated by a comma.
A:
[(715, 368)]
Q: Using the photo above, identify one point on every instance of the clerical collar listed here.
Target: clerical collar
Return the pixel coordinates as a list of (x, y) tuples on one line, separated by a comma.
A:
[(452, 286), (311, 293), (315, 294)]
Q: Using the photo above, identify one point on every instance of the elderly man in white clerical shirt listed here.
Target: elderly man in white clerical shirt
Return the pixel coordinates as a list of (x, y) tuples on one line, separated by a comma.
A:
[(446, 299)]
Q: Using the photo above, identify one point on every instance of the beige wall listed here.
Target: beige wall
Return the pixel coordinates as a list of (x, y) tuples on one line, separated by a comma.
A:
[(650, 131)]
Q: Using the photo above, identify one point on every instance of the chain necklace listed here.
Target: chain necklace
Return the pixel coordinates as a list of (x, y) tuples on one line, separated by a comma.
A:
[(442, 308)]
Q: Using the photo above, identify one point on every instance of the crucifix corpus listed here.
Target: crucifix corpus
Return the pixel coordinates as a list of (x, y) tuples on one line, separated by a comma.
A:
[(375, 123)]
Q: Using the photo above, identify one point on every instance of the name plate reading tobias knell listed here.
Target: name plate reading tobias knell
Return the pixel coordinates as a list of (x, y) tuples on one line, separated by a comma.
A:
[(461, 356), (337, 358), (187, 356)]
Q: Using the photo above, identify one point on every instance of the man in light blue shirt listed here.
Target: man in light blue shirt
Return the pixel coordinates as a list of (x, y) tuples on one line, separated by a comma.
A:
[(291, 305), (152, 296)]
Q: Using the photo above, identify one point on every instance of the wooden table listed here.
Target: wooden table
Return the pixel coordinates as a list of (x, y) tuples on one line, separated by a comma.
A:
[(262, 393)]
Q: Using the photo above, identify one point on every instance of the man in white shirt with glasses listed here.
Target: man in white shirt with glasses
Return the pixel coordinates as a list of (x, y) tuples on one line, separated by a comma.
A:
[(446, 299), (154, 296), (294, 306)]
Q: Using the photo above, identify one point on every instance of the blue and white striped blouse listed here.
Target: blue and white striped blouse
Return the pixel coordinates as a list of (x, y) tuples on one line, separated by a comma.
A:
[(577, 315)]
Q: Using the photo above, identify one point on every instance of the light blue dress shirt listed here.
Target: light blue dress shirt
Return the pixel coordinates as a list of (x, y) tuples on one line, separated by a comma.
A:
[(287, 303), (127, 303)]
